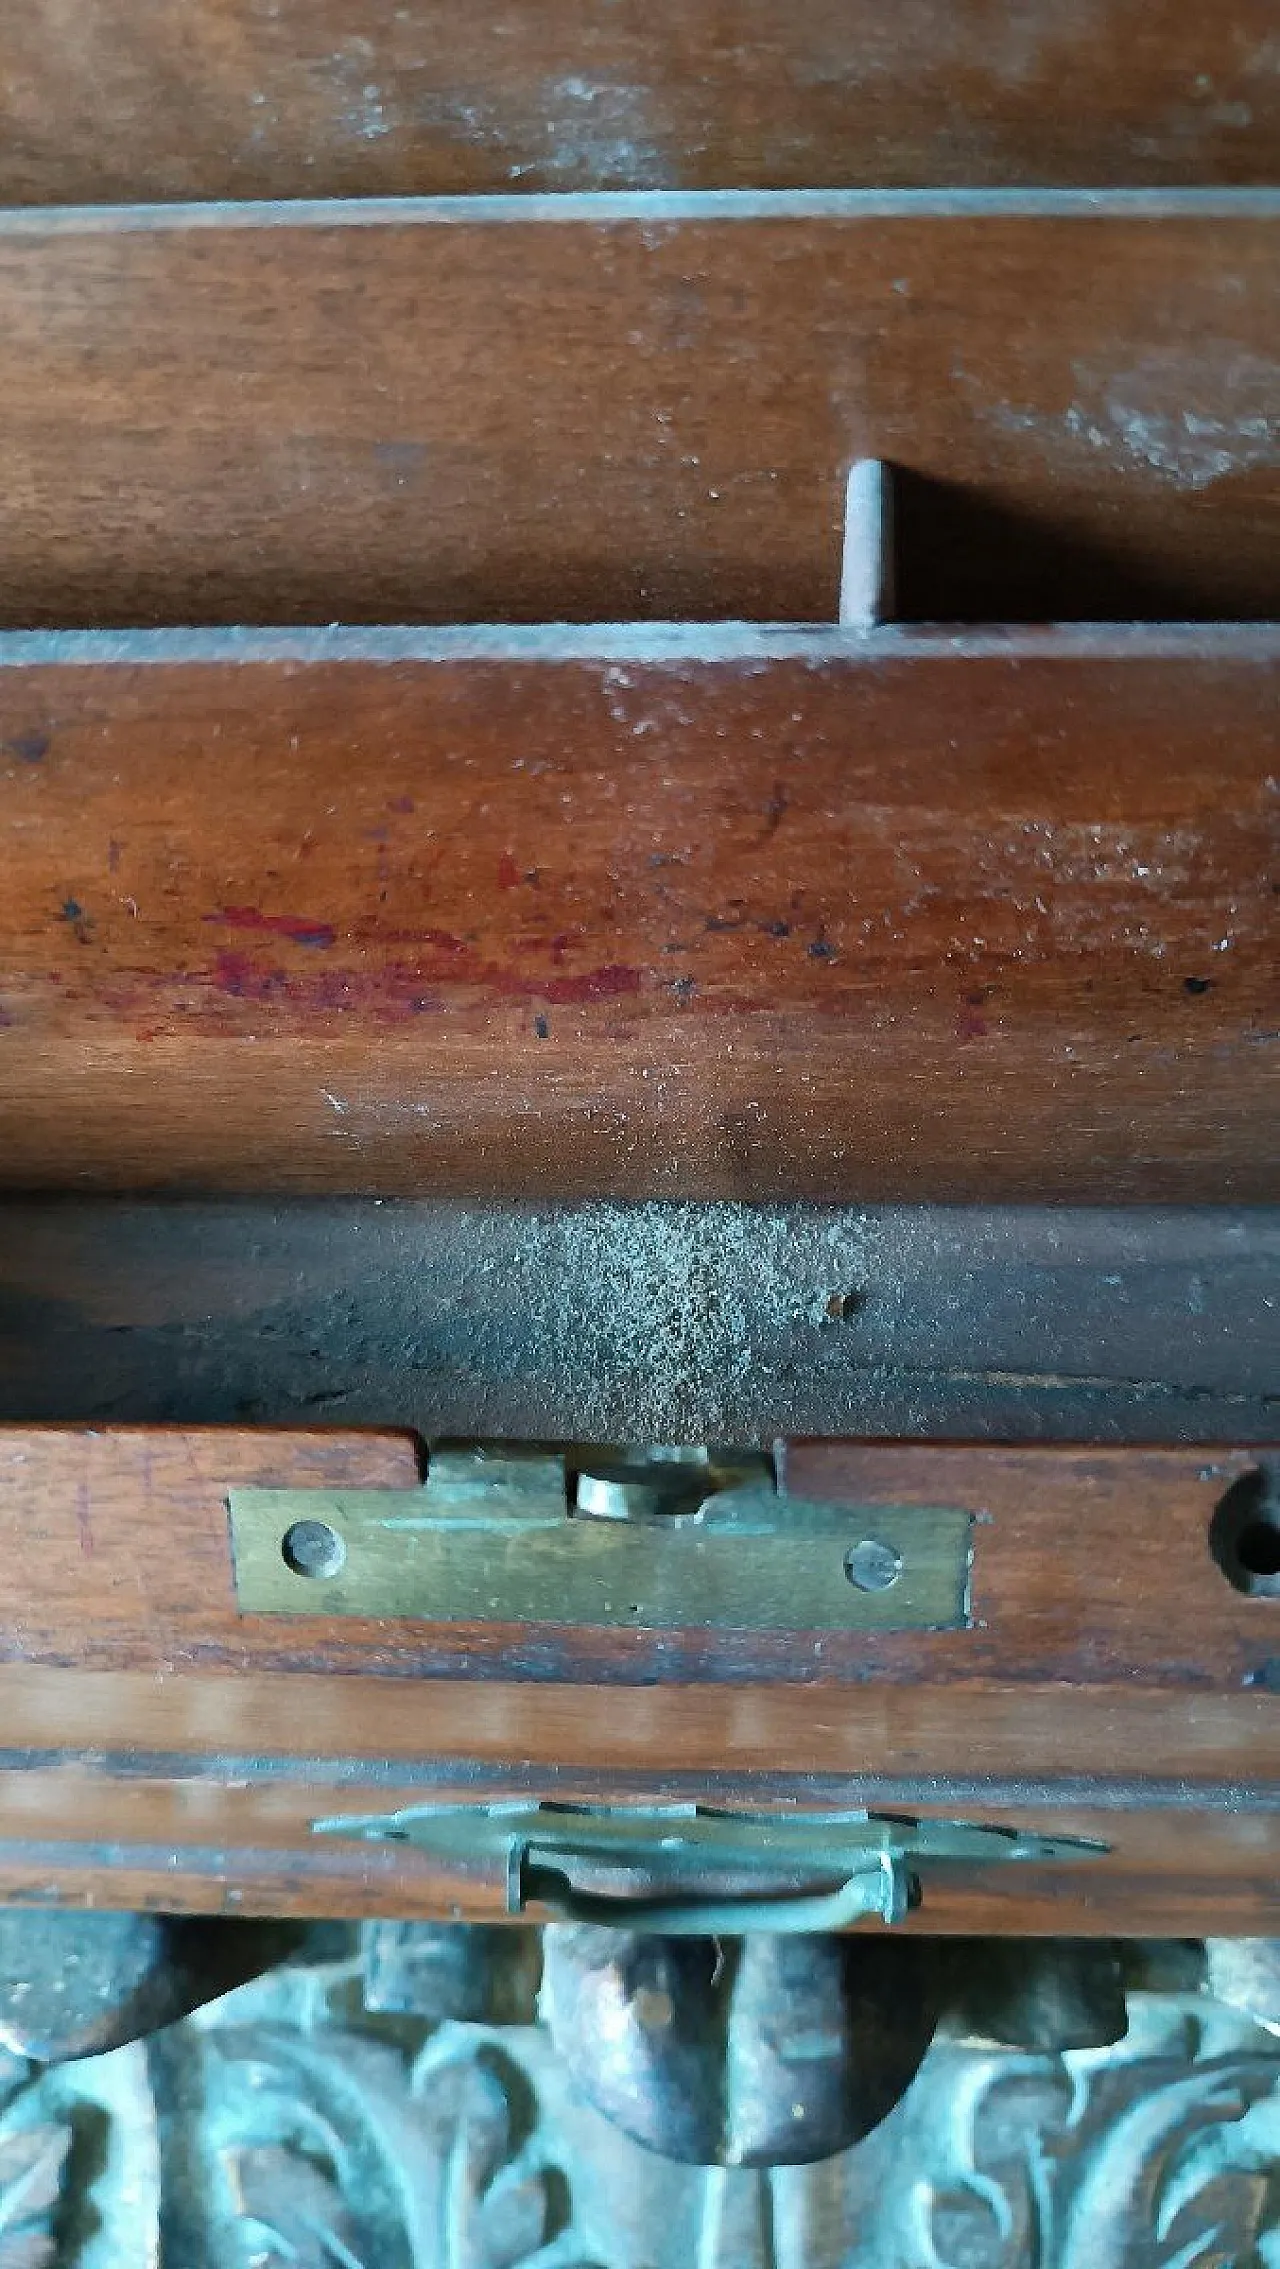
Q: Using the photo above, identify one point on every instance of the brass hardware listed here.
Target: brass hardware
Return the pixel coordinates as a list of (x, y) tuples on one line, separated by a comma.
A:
[(855, 1865), (652, 1542)]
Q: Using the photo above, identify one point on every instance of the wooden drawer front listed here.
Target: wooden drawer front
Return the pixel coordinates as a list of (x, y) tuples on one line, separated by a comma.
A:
[(1111, 1684)]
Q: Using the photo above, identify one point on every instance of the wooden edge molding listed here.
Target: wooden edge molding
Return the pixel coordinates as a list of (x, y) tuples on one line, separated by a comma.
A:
[(238, 103), (546, 940)]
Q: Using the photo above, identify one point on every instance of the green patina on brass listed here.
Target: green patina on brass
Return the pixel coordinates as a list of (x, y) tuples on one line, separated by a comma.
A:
[(792, 1871)]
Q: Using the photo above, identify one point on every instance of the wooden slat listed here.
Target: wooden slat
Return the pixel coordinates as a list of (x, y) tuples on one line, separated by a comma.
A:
[(539, 410), (155, 1746), (1028, 1747), (207, 98), (644, 1324), (1091, 1569), (715, 915)]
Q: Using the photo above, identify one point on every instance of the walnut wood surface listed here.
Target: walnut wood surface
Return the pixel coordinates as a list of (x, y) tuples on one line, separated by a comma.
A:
[(1090, 1567), (540, 411), (149, 1734), (745, 915), (225, 98)]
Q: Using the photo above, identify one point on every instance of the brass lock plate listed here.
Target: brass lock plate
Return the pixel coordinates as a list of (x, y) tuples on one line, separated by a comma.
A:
[(510, 1539)]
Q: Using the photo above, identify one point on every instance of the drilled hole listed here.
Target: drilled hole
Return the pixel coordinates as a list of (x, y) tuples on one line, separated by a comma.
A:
[(1258, 1549), (842, 1305), (1244, 1534), (312, 1548), (837, 1307)]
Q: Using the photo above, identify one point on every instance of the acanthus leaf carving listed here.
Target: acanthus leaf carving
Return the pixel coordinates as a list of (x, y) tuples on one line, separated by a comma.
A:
[(1120, 2160), (993, 2206), (291, 2127), (32, 2160), (497, 2204), (292, 2212), (355, 2152)]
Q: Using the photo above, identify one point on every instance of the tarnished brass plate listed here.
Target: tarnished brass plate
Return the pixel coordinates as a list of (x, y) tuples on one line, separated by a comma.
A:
[(751, 1561)]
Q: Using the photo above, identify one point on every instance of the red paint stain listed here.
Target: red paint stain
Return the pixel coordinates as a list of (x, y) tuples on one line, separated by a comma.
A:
[(970, 1023), (607, 984), (403, 989), (508, 872), (243, 979), (398, 989), (113, 856), (292, 926)]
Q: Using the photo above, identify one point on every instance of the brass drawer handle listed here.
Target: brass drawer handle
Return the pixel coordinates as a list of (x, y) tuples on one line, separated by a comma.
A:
[(873, 1859), (886, 1890)]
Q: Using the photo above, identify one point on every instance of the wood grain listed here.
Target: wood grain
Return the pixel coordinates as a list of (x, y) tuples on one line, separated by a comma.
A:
[(733, 915), (541, 410), (644, 1324), (1091, 1569), (158, 1749), (222, 98), (81, 1835)]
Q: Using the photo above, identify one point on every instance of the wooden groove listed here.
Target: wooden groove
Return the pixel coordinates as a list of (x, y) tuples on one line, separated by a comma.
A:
[(1007, 1324), (334, 412), (1016, 201), (921, 1733), (219, 98), (747, 645), (845, 920)]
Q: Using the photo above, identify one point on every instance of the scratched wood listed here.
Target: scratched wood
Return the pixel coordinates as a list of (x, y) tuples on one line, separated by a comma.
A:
[(154, 1746), (737, 915), (639, 409), (224, 98)]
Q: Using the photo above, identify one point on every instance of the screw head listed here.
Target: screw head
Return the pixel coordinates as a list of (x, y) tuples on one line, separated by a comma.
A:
[(312, 1548), (871, 1565)]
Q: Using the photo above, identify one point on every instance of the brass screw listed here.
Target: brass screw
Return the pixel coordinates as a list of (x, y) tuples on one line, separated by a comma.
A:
[(872, 1566), (312, 1548)]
